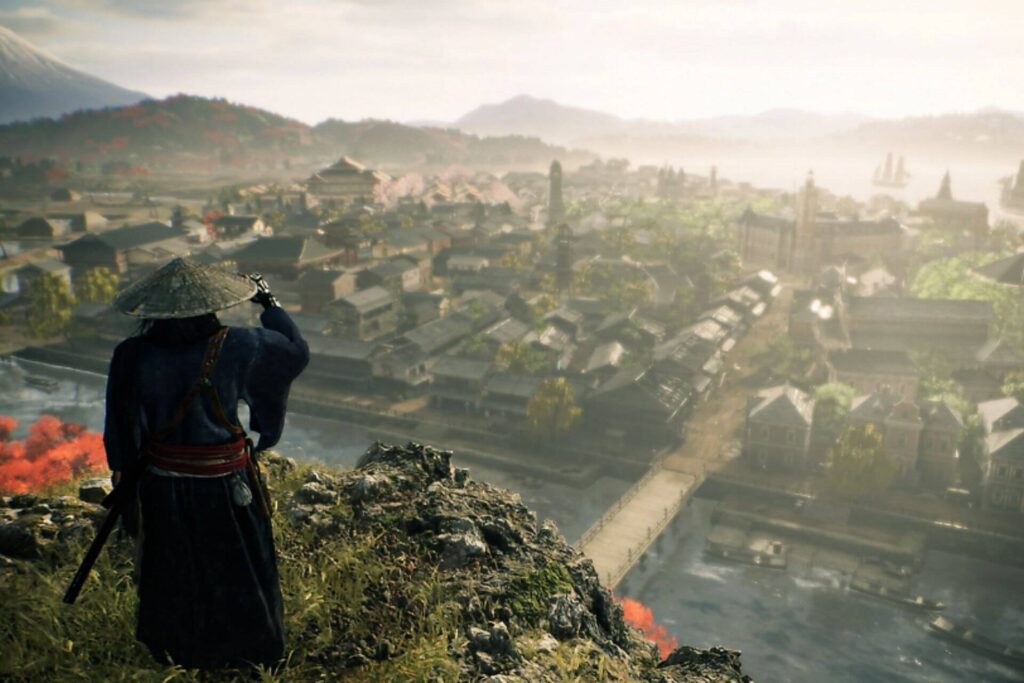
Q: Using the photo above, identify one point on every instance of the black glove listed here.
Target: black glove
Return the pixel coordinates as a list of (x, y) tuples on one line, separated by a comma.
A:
[(262, 295)]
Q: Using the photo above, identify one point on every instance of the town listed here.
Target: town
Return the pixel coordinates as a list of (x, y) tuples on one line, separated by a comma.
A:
[(843, 378), (582, 316)]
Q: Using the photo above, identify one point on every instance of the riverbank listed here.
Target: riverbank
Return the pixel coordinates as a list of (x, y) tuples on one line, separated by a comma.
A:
[(309, 396), (950, 529)]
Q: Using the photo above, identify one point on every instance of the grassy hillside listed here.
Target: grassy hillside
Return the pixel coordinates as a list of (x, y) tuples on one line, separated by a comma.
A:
[(402, 570), (187, 132)]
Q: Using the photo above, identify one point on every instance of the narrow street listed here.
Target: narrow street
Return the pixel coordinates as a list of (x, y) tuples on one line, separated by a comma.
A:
[(712, 432)]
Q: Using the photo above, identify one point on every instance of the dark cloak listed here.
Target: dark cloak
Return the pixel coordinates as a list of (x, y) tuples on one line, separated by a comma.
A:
[(209, 593)]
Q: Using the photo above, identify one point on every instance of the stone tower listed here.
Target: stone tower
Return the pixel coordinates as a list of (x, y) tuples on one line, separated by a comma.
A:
[(945, 191), (804, 259), (713, 181), (556, 207), (563, 260)]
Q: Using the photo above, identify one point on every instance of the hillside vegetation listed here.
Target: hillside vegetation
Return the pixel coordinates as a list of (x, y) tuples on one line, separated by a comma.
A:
[(401, 570), (197, 132)]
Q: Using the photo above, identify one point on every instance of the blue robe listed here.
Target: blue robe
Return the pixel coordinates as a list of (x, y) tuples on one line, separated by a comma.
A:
[(209, 593)]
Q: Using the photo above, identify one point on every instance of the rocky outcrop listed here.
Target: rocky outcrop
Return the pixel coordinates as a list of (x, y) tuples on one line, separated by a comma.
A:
[(519, 603), (521, 589)]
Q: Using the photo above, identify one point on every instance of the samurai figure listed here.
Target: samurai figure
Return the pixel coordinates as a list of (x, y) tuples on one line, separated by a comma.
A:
[(208, 584)]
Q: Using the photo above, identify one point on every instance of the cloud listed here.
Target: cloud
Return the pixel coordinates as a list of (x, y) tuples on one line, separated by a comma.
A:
[(166, 9), (644, 59), (34, 22)]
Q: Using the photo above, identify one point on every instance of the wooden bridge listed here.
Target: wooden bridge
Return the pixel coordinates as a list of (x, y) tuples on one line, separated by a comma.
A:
[(624, 533)]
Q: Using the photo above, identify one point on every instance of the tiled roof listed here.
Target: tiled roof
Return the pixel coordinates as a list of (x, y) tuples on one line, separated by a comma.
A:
[(783, 405)]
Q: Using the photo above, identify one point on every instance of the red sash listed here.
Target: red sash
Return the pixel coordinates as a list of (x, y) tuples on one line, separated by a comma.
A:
[(202, 460)]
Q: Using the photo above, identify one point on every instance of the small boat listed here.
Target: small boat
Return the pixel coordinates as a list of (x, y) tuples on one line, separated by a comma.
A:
[(961, 635), (42, 383), (773, 557), (896, 596)]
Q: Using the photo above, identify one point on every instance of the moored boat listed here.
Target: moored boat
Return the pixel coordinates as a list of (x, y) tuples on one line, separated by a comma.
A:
[(967, 637), (42, 383), (896, 596), (771, 557)]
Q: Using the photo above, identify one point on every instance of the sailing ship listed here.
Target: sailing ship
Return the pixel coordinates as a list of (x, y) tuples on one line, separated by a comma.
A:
[(1013, 191), (887, 176)]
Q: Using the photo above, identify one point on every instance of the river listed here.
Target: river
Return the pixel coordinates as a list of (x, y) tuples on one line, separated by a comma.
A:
[(79, 398), (803, 625), (790, 626)]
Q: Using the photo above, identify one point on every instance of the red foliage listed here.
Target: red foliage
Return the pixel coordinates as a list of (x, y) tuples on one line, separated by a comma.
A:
[(208, 219), (640, 616), (53, 452), (225, 116), (56, 174)]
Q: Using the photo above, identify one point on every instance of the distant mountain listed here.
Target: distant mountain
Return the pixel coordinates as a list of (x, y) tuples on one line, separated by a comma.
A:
[(156, 131), (545, 119), (774, 125), (554, 122), (197, 133), (988, 134), (34, 84)]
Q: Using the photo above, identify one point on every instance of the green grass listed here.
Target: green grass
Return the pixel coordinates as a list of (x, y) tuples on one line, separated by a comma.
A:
[(527, 594), (342, 599)]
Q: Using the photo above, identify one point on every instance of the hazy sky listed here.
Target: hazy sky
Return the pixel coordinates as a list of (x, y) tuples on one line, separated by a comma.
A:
[(659, 59)]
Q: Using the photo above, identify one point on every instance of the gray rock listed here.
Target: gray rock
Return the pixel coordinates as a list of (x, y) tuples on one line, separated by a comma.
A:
[(20, 540), (315, 493), (461, 475), (367, 487), (546, 643), (299, 515), (457, 549), (500, 641), (94, 490), (548, 532), (485, 663), (565, 616), (23, 500), (479, 639), (316, 477)]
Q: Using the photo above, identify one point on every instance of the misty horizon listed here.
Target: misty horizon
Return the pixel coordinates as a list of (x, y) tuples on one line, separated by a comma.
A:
[(655, 62)]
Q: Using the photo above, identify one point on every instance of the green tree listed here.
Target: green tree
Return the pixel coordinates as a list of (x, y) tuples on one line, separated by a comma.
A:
[(857, 464), (553, 410), (831, 407), (971, 448), (955, 278), (521, 358), (477, 347), (1013, 385), (371, 225), (98, 285), (50, 306), (779, 360)]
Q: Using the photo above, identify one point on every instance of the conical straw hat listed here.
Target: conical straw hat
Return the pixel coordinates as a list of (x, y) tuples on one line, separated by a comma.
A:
[(182, 289)]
